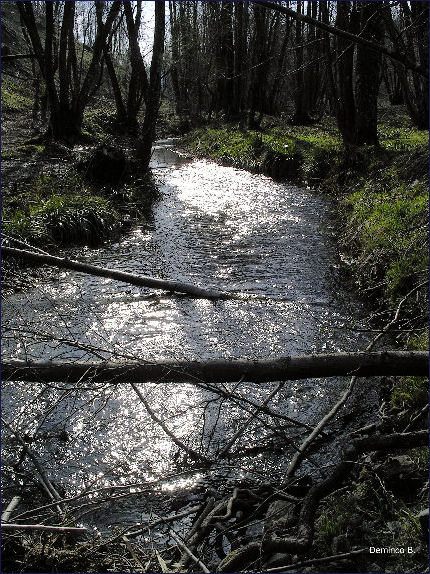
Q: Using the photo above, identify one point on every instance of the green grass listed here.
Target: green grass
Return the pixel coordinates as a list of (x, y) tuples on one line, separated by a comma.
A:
[(390, 225), (72, 219), (14, 96)]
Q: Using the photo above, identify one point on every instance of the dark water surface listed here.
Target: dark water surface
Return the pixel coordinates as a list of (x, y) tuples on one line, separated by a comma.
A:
[(216, 227)]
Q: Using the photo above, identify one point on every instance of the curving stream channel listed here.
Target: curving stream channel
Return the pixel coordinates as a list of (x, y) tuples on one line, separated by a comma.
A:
[(213, 226)]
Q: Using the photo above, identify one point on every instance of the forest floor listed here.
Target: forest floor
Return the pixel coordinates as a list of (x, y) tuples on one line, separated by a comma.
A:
[(381, 198)]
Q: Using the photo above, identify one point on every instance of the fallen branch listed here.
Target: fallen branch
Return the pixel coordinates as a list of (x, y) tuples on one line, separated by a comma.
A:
[(74, 529), (10, 508), (199, 530), (360, 364), (321, 560), (185, 548), (131, 278)]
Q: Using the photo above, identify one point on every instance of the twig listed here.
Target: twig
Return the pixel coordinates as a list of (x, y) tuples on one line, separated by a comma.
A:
[(162, 520), (248, 421), (193, 454), (318, 560), (309, 439), (185, 548), (76, 529), (51, 491)]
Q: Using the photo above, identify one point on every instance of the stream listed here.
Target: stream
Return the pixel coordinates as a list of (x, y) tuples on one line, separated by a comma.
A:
[(213, 226)]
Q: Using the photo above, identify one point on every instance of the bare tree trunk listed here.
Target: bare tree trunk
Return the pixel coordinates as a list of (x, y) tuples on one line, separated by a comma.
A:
[(344, 66), (138, 84), (368, 74), (154, 93)]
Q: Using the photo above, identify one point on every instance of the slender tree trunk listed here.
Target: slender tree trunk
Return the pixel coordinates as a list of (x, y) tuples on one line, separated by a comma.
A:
[(154, 92), (344, 99), (138, 84), (301, 113), (121, 112)]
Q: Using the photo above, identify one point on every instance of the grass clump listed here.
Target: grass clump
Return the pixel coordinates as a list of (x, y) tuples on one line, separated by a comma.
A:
[(226, 145), (303, 155), (73, 219)]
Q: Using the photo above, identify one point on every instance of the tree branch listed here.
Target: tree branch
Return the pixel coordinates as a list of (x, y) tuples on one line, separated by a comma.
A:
[(393, 54)]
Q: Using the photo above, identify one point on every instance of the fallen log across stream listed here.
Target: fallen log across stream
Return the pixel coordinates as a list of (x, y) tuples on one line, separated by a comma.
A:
[(360, 364), (131, 278)]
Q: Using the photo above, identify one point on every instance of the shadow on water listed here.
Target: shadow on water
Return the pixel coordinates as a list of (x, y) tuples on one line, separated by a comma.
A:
[(213, 226)]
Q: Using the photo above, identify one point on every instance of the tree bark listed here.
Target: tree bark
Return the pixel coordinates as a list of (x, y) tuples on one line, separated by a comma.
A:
[(292, 368)]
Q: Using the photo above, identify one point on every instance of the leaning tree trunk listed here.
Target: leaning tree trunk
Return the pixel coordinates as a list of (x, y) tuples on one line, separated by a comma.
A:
[(154, 92)]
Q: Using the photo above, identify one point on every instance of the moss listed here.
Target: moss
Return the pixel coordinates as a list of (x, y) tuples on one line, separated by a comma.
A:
[(369, 514), (410, 393), (292, 154)]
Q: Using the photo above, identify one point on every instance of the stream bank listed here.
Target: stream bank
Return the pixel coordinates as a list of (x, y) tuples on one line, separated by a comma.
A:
[(379, 196), (237, 238)]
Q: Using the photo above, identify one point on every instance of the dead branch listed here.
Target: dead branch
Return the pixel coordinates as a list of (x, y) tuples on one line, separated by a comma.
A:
[(10, 508), (185, 548), (46, 483), (192, 453), (248, 421), (72, 529), (290, 368), (319, 560), (317, 430), (161, 520), (199, 530), (131, 278)]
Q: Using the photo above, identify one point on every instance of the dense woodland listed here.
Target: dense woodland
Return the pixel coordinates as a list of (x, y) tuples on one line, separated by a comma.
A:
[(330, 95), (235, 60)]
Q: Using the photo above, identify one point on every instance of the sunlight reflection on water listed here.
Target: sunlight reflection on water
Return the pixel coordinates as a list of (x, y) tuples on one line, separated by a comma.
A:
[(213, 226)]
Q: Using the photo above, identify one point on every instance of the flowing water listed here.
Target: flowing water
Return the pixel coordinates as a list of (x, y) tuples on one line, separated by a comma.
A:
[(213, 226)]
